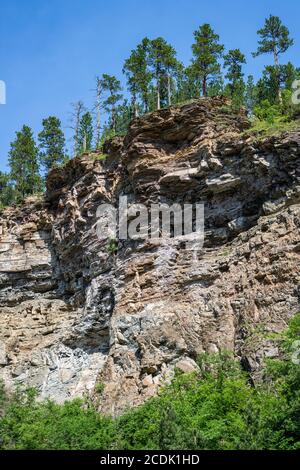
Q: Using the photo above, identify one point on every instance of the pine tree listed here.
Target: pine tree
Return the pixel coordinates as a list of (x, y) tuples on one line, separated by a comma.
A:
[(274, 39), (123, 117), (112, 85), (51, 143), (207, 51), (189, 84), (290, 74), (180, 87), (272, 80), (7, 193), (138, 75), (272, 77), (250, 94), (78, 110), (163, 64), (174, 70), (233, 61), (85, 132), (23, 161), (216, 86), (98, 108)]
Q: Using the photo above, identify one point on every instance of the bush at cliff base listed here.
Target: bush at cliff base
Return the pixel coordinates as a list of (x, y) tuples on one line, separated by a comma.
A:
[(216, 408)]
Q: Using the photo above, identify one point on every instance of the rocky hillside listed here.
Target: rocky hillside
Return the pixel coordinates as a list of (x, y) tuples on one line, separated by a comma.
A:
[(77, 318)]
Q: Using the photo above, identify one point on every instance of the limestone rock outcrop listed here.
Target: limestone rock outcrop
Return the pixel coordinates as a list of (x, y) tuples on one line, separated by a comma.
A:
[(74, 313)]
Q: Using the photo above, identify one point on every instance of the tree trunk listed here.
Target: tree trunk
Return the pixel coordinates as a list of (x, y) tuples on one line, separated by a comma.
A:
[(158, 94), (169, 90), (113, 119), (98, 108), (278, 79), (204, 86), (77, 132), (135, 109), (98, 125), (146, 105), (280, 94), (78, 109)]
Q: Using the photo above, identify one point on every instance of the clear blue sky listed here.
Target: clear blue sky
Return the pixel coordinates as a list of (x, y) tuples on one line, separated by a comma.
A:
[(51, 50)]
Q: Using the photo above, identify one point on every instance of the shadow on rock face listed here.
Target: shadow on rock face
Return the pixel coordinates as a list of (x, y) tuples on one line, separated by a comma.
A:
[(91, 334)]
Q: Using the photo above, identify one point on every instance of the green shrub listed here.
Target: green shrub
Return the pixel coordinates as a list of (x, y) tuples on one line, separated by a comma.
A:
[(28, 424), (99, 388), (215, 408), (112, 246), (270, 113)]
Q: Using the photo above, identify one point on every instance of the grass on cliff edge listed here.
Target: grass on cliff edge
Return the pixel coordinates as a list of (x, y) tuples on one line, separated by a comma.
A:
[(216, 408), (266, 128)]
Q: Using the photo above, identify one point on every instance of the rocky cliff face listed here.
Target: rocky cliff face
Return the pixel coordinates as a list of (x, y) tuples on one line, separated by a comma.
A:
[(73, 313)]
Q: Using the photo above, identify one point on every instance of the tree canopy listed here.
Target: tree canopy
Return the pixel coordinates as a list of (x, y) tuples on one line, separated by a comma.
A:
[(156, 79)]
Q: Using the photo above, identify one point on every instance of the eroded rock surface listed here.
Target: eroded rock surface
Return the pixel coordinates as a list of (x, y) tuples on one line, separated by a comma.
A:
[(74, 313)]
